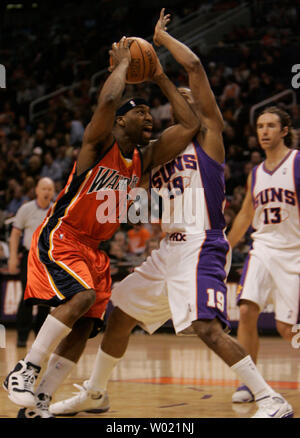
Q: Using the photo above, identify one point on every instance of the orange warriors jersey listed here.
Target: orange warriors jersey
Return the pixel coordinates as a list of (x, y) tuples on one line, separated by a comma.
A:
[(64, 257), (78, 206)]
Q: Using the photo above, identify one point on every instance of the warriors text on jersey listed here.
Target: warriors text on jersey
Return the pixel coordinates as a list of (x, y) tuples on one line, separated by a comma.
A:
[(276, 196)]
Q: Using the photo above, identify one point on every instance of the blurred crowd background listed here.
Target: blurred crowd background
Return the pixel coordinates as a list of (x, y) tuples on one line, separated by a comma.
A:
[(46, 46)]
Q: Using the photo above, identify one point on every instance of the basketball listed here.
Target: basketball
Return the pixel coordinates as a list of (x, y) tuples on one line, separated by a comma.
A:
[(143, 61)]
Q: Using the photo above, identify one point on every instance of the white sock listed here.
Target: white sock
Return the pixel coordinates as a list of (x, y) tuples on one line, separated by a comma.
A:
[(49, 336), (249, 374), (57, 370), (103, 366)]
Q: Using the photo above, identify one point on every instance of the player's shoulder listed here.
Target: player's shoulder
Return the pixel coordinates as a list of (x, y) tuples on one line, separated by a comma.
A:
[(297, 155)]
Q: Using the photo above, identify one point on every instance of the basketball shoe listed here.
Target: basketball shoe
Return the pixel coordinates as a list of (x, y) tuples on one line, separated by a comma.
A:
[(20, 383), (41, 409), (273, 406), (242, 395), (83, 401)]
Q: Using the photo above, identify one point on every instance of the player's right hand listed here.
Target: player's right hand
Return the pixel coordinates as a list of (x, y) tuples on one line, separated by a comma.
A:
[(120, 52)]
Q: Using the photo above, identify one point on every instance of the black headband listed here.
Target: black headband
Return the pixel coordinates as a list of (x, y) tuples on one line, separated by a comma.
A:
[(131, 103)]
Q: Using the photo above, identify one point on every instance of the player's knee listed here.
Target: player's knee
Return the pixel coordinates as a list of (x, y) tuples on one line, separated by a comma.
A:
[(249, 313), (84, 300), (120, 322), (209, 332)]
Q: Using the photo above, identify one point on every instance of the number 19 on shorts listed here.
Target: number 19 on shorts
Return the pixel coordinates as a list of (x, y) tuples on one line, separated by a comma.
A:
[(215, 299)]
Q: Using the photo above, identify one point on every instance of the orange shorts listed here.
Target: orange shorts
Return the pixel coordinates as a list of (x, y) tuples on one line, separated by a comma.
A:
[(59, 266)]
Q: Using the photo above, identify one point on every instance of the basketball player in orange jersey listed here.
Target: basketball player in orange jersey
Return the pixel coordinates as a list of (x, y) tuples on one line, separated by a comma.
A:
[(66, 269), (185, 278)]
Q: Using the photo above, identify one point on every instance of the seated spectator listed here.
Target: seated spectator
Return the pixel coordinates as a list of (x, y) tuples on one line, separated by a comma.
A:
[(230, 181), (229, 216), (51, 169), (16, 202), (255, 158), (137, 239), (62, 160), (120, 239), (76, 129), (156, 112), (152, 244), (231, 90), (39, 140), (237, 199), (34, 165), (117, 252)]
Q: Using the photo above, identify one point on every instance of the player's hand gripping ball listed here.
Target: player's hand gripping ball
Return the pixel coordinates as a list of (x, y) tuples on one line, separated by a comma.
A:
[(143, 61)]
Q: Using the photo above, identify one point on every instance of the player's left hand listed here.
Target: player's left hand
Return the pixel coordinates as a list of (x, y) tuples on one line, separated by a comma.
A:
[(161, 27)]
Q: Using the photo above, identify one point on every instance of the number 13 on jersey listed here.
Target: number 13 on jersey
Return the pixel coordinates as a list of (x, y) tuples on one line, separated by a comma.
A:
[(272, 215)]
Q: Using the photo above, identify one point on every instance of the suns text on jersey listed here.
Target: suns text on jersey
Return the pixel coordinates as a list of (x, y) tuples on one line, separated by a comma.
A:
[(165, 173), (273, 194)]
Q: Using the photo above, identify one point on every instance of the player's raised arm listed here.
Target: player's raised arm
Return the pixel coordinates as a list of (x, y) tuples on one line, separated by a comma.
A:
[(204, 101), (98, 133), (244, 218), (175, 138)]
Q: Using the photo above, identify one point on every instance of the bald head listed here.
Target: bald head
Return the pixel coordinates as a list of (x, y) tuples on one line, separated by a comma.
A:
[(44, 192)]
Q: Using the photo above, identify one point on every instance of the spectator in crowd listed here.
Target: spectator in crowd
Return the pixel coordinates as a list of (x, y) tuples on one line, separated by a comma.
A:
[(51, 169), (137, 239), (16, 202)]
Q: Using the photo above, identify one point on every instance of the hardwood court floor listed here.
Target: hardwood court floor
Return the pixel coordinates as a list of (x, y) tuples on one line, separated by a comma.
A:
[(165, 376)]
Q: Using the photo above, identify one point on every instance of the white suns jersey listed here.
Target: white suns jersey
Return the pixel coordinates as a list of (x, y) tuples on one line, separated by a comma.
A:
[(276, 196), (193, 191)]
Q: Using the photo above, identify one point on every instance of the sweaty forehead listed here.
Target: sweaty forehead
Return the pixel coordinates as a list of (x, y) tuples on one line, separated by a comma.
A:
[(268, 118), (143, 106)]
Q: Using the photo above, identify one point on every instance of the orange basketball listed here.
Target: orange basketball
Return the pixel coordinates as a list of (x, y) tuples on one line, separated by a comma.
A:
[(143, 61)]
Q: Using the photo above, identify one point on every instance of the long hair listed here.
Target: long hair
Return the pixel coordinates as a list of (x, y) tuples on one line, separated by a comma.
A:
[(285, 120)]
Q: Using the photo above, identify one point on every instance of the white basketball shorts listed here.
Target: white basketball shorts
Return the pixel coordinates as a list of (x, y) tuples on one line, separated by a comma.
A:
[(271, 275), (184, 280)]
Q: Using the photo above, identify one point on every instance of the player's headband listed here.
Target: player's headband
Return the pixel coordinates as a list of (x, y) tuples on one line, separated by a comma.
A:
[(131, 103)]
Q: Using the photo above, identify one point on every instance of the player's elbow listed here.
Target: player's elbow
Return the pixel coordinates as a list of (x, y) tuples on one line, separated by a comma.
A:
[(213, 122), (193, 65), (108, 100), (194, 124)]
